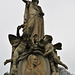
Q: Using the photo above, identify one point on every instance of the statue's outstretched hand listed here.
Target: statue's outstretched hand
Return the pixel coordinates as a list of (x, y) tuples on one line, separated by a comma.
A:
[(7, 61)]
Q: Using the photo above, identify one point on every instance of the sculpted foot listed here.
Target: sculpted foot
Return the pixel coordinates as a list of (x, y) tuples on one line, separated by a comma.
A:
[(66, 67)]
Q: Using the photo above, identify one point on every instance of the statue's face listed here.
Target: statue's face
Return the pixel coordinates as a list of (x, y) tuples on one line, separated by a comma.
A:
[(34, 60)]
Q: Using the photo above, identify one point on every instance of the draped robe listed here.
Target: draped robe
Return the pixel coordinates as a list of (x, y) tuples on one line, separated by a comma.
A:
[(33, 20)]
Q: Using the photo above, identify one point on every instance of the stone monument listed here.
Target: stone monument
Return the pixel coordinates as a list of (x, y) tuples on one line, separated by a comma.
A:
[(33, 53)]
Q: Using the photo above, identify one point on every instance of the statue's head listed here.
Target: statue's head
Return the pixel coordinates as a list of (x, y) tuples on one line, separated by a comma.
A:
[(35, 1), (47, 38), (33, 59)]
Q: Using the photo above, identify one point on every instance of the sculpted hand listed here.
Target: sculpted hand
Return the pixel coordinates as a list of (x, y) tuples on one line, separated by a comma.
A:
[(6, 62), (41, 14), (19, 27)]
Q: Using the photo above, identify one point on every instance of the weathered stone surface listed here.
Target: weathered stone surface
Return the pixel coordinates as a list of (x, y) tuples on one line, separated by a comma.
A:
[(33, 52), (63, 71)]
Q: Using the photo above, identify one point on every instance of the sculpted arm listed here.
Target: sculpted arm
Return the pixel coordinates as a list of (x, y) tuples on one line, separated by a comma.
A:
[(49, 50), (8, 60), (18, 28), (27, 2)]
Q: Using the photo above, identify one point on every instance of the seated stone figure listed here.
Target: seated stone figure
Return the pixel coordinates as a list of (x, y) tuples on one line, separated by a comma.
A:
[(19, 45), (22, 47), (51, 54)]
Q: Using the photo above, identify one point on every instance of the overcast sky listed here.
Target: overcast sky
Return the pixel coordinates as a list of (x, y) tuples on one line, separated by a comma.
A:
[(59, 21)]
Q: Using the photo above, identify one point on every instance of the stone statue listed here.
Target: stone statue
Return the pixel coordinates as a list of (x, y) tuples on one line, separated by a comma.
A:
[(33, 19), (33, 58), (19, 45), (33, 53), (14, 41), (52, 54), (22, 48)]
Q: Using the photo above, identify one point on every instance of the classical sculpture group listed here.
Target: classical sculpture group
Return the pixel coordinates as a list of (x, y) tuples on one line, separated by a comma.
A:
[(33, 52)]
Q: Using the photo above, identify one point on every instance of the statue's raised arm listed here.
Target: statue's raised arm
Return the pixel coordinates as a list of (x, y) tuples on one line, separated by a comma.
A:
[(26, 1)]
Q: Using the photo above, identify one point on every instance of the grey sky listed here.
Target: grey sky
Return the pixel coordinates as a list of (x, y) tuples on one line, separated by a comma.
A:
[(59, 22)]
